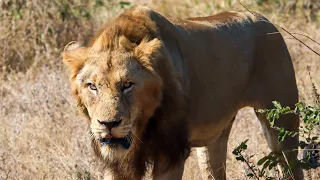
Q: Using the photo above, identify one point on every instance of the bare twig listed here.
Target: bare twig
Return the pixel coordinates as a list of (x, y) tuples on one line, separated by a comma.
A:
[(307, 37), (314, 88), (291, 34), (245, 7), (252, 170), (247, 163), (273, 33), (285, 158)]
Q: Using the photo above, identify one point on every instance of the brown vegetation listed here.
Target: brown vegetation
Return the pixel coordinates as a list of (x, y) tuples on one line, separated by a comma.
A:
[(41, 134)]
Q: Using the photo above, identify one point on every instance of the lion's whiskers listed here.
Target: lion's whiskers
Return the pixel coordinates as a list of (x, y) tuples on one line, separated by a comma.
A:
[(136, 137), (91, 136)]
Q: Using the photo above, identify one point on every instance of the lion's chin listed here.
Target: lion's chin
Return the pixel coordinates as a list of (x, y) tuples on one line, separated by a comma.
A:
[(113, 142), (113, 151), (115, 147)]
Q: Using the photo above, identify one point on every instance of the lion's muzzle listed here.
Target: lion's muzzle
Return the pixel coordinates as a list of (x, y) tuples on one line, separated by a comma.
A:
[(110, 124)]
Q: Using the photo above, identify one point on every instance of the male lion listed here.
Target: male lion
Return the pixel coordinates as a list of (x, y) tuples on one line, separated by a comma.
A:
[(153, 87)]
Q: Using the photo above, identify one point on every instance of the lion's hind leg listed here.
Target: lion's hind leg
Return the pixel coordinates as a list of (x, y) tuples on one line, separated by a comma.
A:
[(273, 79), (283, 89), (287, 150)]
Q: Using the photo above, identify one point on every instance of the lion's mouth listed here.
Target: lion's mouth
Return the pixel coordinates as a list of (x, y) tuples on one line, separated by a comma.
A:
[(124, 142)]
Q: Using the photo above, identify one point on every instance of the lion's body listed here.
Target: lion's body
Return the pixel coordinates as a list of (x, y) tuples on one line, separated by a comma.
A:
[(219, 60), (210, 68), (230, 65)]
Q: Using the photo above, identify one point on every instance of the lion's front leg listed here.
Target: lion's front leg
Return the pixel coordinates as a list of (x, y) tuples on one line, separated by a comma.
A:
[(160, 171)]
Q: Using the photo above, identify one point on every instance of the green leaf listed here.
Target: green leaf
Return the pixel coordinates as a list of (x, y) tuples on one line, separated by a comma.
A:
[(266, 164), (272, 165), (262, 160), (315, 138), (261, 111), (281, 135), (277, 115), (240, 158), (235, 152), (286, 110), (292, 134), (250, 175), (302, 144), (124, 3), (270, 114), (277, 104)]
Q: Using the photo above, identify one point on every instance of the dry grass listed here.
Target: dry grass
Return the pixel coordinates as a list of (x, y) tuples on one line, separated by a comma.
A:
[(41, 134)]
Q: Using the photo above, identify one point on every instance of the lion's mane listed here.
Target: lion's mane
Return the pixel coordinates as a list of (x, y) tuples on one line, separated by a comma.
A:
[(165, 138)]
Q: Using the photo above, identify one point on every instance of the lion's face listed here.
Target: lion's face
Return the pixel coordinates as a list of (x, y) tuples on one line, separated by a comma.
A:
[(119, 93)]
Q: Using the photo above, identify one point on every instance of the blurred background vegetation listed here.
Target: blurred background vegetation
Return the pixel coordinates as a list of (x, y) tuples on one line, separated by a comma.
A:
[(41, 134), (34, 30)]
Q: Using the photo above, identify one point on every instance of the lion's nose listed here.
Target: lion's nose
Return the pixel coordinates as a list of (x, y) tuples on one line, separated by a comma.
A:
[(110, 124)]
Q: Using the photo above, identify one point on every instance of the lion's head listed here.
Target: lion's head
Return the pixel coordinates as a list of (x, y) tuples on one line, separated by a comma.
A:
[(126, 85), (118, 89)]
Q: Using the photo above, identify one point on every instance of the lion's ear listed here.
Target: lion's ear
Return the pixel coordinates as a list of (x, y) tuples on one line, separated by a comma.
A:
[(147, 51), (74, 56)]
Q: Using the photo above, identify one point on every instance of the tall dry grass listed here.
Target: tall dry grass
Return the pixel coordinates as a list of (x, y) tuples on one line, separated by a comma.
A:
[(41, 134)]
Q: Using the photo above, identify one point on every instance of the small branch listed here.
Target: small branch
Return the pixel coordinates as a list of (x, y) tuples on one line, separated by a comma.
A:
[(291, 34), (309, 149), (285, 158), (245, 7), (314, 88), (307, 37), (252, 170)]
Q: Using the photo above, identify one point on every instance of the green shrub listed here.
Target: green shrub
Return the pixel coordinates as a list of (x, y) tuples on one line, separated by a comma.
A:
[(310, 117)]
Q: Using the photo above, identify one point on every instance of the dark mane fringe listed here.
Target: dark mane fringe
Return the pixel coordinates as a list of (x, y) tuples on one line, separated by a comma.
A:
[(167, 136)]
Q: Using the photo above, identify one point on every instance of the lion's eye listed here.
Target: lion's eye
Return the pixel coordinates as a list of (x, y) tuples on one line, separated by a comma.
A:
[(127, 86), (92, 86)]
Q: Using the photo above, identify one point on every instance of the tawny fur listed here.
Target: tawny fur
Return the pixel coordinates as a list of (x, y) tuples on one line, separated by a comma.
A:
[(190, 77)]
